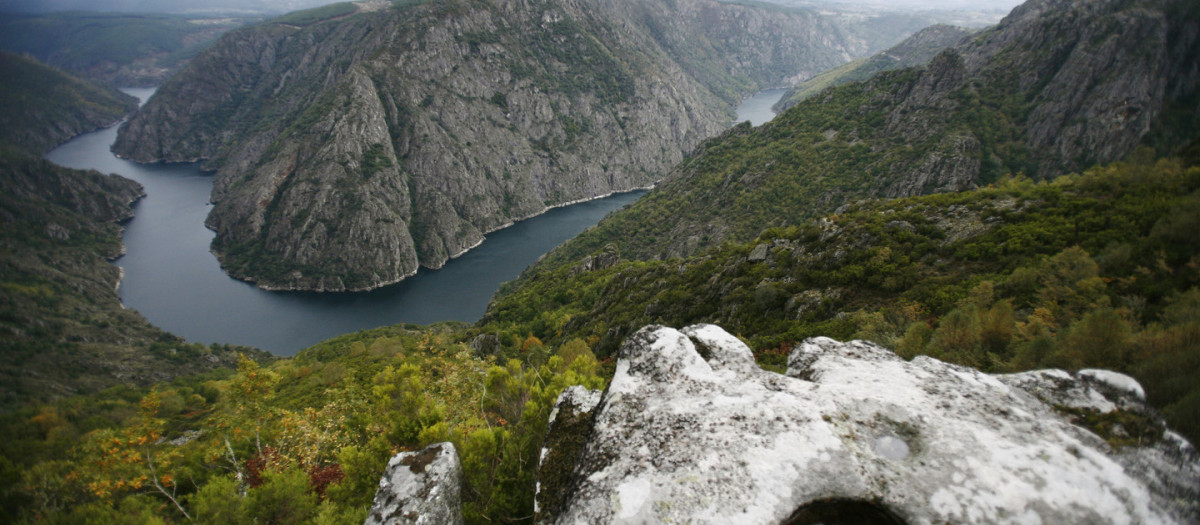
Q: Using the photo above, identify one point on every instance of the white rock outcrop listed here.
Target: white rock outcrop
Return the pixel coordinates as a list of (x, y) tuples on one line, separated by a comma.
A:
[(692, 430), (420, 487)]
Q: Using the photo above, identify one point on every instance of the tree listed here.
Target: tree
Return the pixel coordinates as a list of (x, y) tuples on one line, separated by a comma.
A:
[(133, 458)]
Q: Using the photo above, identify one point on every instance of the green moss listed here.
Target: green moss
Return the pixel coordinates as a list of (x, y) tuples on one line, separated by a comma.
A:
[(1120, 428)]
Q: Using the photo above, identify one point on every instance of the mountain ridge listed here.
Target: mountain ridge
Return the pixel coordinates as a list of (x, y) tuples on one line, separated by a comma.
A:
[(1055, 87), (65, 331), (42, 106), (447, 120), (916, 50)]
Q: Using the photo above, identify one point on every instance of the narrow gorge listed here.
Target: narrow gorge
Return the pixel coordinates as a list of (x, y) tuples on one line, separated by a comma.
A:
[(350, 151)]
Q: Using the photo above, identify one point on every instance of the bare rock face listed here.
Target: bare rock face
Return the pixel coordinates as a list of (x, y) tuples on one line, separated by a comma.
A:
[(420, 487), (350, 152), (691, 430), (1058, 86)]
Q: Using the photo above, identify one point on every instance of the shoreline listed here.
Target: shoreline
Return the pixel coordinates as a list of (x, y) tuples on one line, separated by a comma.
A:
[(270, 287)]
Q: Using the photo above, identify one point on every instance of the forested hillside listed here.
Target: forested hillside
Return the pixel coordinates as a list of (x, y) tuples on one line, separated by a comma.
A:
[(114, 49), (41, 107), (63, 330), (1092, 270), (1056, 87)]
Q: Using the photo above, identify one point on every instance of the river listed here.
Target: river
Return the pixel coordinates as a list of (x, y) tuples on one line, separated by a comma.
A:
[(757, 109), (173, 280)]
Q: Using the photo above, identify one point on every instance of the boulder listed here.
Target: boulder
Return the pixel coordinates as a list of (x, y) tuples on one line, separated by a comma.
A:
[(570, 422), (420, 487), (759, 253), (691, 430)]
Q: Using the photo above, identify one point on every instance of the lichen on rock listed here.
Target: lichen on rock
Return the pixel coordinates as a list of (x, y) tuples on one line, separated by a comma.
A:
[(691, 430), (420, 487)]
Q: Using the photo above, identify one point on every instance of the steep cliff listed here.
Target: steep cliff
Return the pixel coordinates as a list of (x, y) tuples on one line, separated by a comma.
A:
[(350, 151), (1057, 86)]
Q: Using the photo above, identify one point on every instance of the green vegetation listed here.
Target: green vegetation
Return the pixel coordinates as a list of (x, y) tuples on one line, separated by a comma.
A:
[(916, 50), (833, 77), (63, 330), (112, 47), (41, 107), (1090, 270), (303, 440), (375, 159)]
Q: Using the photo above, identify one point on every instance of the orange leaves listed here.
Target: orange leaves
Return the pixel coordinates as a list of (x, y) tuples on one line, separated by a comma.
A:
[(150, 404), (530, 343)]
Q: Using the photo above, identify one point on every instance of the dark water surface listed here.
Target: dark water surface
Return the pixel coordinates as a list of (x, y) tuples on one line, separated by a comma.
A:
[(172, 279)]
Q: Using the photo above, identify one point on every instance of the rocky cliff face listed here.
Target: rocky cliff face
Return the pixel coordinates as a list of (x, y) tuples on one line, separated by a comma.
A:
[(691, 430), (1058, 86), (352, 151), (1095, 77)]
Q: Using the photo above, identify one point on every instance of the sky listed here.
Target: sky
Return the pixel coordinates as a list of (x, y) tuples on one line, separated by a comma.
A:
[(163, 6), (282, 6)]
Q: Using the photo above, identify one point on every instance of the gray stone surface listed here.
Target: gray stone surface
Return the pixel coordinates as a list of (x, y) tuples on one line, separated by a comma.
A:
[(420, 487), (691, 430), (351, 152), (566, 437)]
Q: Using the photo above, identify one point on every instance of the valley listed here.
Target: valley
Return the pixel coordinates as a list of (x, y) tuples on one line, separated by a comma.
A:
[(482, 120), (1003, 220)]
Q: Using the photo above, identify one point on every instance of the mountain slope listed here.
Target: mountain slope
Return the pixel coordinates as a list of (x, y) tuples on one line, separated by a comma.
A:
[(41, 107), (916, 50), (63, 330), (1057, 86), (351, 151), (115, 49), (1091, 270)]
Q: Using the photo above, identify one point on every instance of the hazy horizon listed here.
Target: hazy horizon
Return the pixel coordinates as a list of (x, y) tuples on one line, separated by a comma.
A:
[(283, 6)]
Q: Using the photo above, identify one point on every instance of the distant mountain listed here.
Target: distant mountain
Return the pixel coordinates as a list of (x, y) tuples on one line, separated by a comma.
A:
[(41, 107), (253, 7), (916, 50), (1059, 85), (356, 142), (120, 50)]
